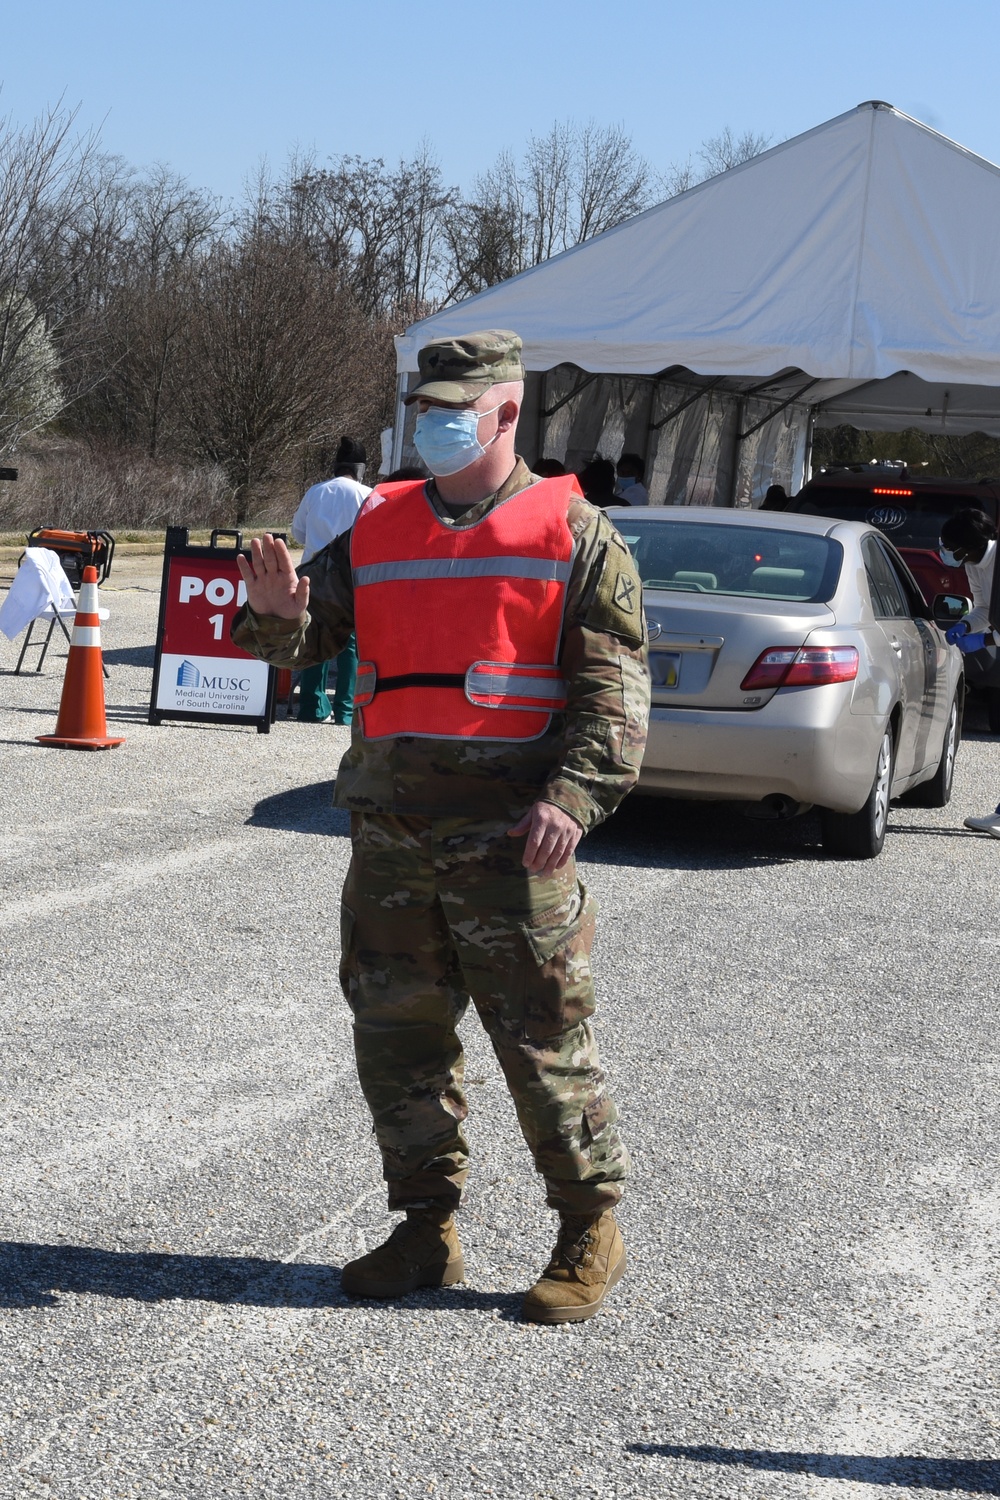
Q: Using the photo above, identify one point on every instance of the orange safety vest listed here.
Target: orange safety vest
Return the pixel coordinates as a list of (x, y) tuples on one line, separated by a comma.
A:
[(458, 628)]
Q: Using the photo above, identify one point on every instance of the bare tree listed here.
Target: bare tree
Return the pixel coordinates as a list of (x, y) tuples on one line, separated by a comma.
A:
[(722, 152), (378, 230), (274, 353), (125, 369), (161, 334), (718, 154), (547, 174), (490, 236), (42, 171), (418, 250), (677, 179), (571, 184), (612, 180)]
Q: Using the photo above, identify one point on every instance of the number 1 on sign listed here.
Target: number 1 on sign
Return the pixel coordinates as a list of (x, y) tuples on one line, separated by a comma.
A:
[(216, 623)]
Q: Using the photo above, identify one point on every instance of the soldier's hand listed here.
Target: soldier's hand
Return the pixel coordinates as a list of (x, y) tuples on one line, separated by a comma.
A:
[(552, 837), (273, 586)]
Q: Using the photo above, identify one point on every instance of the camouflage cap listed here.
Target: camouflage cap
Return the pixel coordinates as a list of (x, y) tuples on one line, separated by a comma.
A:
[(458, 370)]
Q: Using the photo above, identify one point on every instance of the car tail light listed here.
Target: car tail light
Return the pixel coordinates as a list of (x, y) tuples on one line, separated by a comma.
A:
[(805, 666), (881, 491)]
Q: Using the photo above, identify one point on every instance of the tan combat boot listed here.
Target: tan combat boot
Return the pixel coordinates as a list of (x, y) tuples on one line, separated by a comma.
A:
[(589, 1259), (421, 1251)]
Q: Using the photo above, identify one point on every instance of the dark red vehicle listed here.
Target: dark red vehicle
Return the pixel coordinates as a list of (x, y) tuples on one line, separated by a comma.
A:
[(909, 508)]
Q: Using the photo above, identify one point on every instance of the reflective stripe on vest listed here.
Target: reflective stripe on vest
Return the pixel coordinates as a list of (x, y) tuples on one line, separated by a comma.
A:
[(500, 684), (459, 627), (462, 567), (489, 684)]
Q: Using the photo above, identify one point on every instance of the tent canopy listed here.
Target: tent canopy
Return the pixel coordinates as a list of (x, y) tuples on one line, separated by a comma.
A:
[(851, 273)]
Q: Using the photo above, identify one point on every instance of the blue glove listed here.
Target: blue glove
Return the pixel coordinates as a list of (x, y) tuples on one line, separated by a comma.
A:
[(954, 633), (974, 640)]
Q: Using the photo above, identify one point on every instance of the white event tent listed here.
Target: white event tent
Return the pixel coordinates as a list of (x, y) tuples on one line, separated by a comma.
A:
[(850, 275)]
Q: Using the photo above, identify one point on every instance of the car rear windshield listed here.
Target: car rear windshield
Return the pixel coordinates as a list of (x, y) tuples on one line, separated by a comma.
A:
[(697, 557), (907, 520)]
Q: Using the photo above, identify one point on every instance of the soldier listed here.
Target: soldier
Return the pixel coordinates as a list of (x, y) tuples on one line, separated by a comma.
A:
[(501, 712)]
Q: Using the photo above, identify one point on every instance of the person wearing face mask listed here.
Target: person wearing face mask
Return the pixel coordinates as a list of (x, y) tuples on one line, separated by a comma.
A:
[(630, 474), (968, 539), (502, 699)]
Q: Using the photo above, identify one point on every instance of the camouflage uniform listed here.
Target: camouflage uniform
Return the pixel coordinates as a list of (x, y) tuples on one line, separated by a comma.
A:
[(438, 907)]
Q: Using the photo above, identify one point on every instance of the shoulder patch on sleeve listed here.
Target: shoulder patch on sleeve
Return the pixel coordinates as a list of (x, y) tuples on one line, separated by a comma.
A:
[(617, 601)]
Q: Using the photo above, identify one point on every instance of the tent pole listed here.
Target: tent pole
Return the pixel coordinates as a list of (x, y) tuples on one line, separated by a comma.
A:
[(776, 410), (400, 418), (541, 413), (581, 385), (675, 411), (807, 457), (737, 446)]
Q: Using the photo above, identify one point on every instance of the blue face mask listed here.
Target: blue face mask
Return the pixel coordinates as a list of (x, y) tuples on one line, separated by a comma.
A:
[(950, 559), (447, 438), (626, 481)]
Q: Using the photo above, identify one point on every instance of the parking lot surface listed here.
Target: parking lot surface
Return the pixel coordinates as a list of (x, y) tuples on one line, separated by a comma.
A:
[(804, 1053)]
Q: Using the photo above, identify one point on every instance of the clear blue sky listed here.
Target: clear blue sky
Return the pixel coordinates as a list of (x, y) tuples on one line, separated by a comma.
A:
[(212, 86)]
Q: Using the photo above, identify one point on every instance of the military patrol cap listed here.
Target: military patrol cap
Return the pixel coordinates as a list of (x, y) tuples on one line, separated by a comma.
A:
[(458, 370)]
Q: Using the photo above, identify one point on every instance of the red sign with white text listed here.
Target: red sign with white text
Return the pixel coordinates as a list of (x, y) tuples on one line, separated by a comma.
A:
[(201, 671)]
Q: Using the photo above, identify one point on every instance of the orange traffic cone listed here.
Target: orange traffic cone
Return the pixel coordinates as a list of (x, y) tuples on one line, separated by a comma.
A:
[(81, 724)]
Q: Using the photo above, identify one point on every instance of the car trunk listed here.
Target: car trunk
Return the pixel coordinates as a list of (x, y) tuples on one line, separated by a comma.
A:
[(701, 648)]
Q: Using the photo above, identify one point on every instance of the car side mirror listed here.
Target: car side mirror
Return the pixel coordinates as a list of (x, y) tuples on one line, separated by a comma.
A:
[(947, 608)]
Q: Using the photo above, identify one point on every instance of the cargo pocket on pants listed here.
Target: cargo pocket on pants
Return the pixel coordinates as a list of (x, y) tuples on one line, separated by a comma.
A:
[(559, 984), (348, 959)]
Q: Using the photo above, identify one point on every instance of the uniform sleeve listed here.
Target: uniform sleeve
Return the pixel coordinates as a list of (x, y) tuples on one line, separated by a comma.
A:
[(604, 661), (328, 623)]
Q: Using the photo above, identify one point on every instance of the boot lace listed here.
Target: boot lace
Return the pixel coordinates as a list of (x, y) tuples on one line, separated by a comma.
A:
[(575, 1244)]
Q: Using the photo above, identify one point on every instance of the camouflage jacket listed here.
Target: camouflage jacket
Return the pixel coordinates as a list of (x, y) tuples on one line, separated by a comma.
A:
[(589, 757)]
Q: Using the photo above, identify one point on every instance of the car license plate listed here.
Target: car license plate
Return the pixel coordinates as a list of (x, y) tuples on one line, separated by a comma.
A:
[(665, 668)]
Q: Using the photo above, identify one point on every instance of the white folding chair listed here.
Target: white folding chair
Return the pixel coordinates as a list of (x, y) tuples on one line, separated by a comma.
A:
[(39, 590)]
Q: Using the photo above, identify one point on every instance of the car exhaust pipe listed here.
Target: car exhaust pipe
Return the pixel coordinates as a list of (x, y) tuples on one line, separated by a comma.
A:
[(777, 808)]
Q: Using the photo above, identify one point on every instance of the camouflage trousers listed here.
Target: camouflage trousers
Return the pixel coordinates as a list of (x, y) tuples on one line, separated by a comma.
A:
[(440, 910)]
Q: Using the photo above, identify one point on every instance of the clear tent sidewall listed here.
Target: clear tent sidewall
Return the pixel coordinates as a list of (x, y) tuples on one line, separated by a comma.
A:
[(700, 446)]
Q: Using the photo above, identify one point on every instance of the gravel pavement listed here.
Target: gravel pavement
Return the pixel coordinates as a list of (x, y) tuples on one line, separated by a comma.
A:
[(805, 1057)]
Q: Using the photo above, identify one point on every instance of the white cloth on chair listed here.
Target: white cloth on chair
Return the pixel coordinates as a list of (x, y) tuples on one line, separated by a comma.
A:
[(39, 589)]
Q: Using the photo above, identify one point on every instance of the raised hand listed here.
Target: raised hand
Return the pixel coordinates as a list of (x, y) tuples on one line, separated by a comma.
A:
[(273, 586)]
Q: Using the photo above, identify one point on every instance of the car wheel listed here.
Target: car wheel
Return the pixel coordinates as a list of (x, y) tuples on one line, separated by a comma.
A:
[(937, 791), (861, 835)]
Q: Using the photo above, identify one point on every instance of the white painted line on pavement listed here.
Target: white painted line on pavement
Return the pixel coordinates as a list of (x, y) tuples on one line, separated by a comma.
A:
[(127, 878)]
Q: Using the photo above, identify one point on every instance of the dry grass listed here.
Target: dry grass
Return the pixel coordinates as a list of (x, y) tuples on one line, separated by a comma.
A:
[(76, 486)]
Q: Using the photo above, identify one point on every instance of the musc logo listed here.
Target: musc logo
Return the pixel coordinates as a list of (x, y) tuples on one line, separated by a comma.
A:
[(188, 676)]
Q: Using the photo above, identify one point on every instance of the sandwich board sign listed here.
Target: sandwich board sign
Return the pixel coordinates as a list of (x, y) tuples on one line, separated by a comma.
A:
[(198, 674)]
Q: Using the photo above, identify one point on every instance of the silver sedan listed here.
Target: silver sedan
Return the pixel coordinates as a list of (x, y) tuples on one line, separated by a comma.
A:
[(794, 664)]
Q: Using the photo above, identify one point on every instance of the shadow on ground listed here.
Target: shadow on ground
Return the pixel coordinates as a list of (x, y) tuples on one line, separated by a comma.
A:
[(925, 831), (33, 1275), (974, 1476), (658, 833), (129, 656), (303, 809)]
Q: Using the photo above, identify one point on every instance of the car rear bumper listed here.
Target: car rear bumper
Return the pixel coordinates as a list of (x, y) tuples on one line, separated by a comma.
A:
[(805, 745)]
